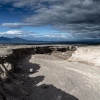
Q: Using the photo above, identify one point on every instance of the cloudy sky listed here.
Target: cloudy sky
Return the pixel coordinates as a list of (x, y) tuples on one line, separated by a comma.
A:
[(50, 19)]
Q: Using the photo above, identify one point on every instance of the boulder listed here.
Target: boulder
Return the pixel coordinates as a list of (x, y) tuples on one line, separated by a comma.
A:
[(31, 70)]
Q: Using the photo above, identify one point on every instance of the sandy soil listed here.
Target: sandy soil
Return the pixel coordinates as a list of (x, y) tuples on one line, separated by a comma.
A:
[(54, 78)]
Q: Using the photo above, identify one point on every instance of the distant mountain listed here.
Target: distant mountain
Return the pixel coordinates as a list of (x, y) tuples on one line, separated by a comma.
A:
[(7, 40), (17, 40), (4, 38)]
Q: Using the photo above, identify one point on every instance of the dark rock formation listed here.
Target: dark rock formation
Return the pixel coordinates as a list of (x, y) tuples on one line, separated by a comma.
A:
[(10, 57), (9, 61)]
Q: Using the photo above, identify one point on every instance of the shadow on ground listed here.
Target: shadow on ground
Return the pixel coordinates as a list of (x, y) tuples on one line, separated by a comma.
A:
[(23, 87)]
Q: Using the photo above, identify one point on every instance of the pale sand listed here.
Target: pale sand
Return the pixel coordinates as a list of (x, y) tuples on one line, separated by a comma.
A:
[(89, 55)]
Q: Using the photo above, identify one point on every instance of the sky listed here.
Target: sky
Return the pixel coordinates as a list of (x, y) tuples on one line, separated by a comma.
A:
[(52, 20)]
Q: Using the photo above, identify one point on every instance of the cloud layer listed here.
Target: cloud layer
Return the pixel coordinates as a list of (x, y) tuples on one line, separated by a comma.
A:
[(34, 36), (81, 17)]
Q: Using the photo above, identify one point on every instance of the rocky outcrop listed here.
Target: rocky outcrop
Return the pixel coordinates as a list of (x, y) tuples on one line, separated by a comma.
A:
[(89, 55), (12, 54), (5, 62)]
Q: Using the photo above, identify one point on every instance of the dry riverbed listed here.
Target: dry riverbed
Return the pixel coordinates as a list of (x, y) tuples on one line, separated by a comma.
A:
[(52, 77)]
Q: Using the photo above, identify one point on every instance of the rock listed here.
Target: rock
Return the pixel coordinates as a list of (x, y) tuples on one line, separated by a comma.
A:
[(63, 53), (8, 66), (44, 86), (3, 72), (72, 48), (61, 49), (31, 70)]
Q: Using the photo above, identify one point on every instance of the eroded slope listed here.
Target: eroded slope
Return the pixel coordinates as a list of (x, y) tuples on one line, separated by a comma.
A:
[(89, 55)]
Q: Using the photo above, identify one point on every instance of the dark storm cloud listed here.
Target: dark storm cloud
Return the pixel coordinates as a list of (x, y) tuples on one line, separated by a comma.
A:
[(75, 16), (81, 30)]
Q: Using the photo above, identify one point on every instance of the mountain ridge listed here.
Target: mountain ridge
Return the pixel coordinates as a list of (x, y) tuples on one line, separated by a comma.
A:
[(13, 40), (18, 40)]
